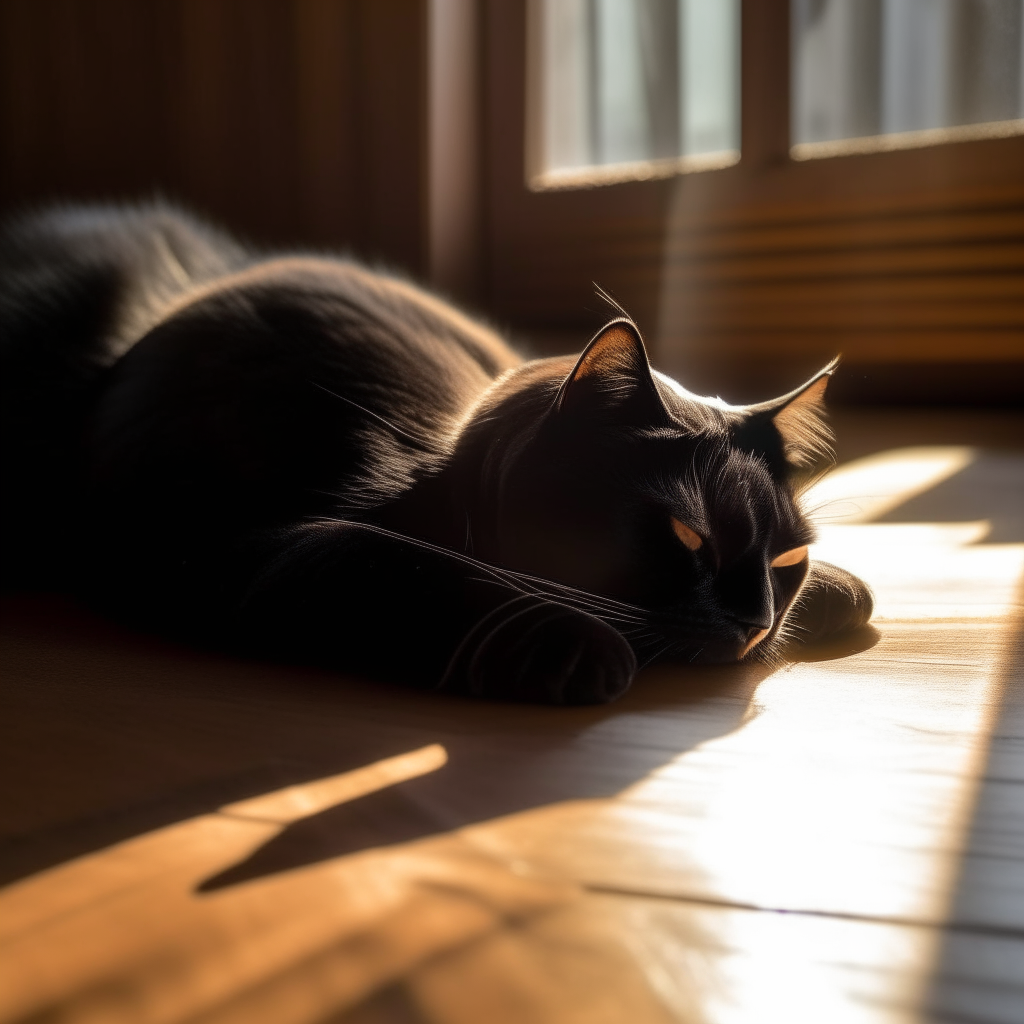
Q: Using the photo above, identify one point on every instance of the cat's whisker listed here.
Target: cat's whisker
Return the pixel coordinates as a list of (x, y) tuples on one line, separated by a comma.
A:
[(608, 602), (605, 608), (615, 304), (583, 602), (657, 654), (641, 638), (589, 602)]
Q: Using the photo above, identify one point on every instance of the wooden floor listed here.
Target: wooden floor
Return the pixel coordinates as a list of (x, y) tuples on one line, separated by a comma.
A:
[(193, 838)]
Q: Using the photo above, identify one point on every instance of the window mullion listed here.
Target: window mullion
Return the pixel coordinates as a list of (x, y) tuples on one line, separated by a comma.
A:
[(764, 89)]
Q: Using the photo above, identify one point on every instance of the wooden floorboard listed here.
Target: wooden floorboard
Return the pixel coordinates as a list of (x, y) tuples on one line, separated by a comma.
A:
[(190, 837)]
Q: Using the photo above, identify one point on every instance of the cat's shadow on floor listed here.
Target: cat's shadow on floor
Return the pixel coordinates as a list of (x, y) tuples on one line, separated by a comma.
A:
[(112, 734)]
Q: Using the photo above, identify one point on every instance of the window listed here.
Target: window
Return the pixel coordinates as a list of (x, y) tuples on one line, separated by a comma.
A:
[(865, 68), (868, 213), (631, 88)]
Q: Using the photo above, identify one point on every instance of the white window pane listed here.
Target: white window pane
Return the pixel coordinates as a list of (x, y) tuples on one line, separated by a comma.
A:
[(621, 81), (565, 82), (710, 87), (867, 67), (622, 131)]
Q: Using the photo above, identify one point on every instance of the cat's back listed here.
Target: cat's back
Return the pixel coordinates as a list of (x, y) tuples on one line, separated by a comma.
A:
[(295, 387), (80, 286), (342, 311), (195, 366), (300, 353)]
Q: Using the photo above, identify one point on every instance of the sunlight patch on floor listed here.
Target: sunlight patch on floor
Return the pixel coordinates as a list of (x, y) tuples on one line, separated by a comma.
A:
[(296, 802), (867, 488), (852, 791)]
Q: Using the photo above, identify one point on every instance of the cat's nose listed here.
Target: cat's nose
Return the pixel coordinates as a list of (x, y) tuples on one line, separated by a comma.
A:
[(757, 623), (749, 601)]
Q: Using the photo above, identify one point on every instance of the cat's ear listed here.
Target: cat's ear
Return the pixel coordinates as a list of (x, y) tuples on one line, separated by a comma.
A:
[(612, 377), (790, 429)]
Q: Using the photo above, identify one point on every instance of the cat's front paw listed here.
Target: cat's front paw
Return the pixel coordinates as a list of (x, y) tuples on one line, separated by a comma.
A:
[(831, 602), (534, 650)]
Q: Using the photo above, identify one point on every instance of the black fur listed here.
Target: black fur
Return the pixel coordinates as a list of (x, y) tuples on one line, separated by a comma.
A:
[(296, 456)]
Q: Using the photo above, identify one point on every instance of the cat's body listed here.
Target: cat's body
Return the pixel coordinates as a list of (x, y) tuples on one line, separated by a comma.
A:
[(298, 456)]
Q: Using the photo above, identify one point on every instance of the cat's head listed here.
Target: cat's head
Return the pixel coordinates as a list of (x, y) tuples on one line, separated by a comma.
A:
[(612, 479)]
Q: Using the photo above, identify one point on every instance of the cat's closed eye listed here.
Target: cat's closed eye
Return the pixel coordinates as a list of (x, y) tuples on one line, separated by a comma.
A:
[(792, 557), (690, 538)]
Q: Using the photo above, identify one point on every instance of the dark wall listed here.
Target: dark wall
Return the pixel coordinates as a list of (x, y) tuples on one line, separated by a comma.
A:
[(292, 121)]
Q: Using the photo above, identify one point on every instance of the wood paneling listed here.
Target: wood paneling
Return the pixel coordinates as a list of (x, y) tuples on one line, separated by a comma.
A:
[(294, 121)]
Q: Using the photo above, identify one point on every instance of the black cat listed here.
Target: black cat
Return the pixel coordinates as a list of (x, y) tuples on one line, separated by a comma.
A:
[(299, 457)]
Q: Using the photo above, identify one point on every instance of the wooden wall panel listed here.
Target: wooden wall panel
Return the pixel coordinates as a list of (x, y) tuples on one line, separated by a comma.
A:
[(919, 278), (294, 121)]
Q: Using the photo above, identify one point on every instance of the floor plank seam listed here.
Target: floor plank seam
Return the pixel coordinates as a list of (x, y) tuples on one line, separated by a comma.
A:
[(960, 927)]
